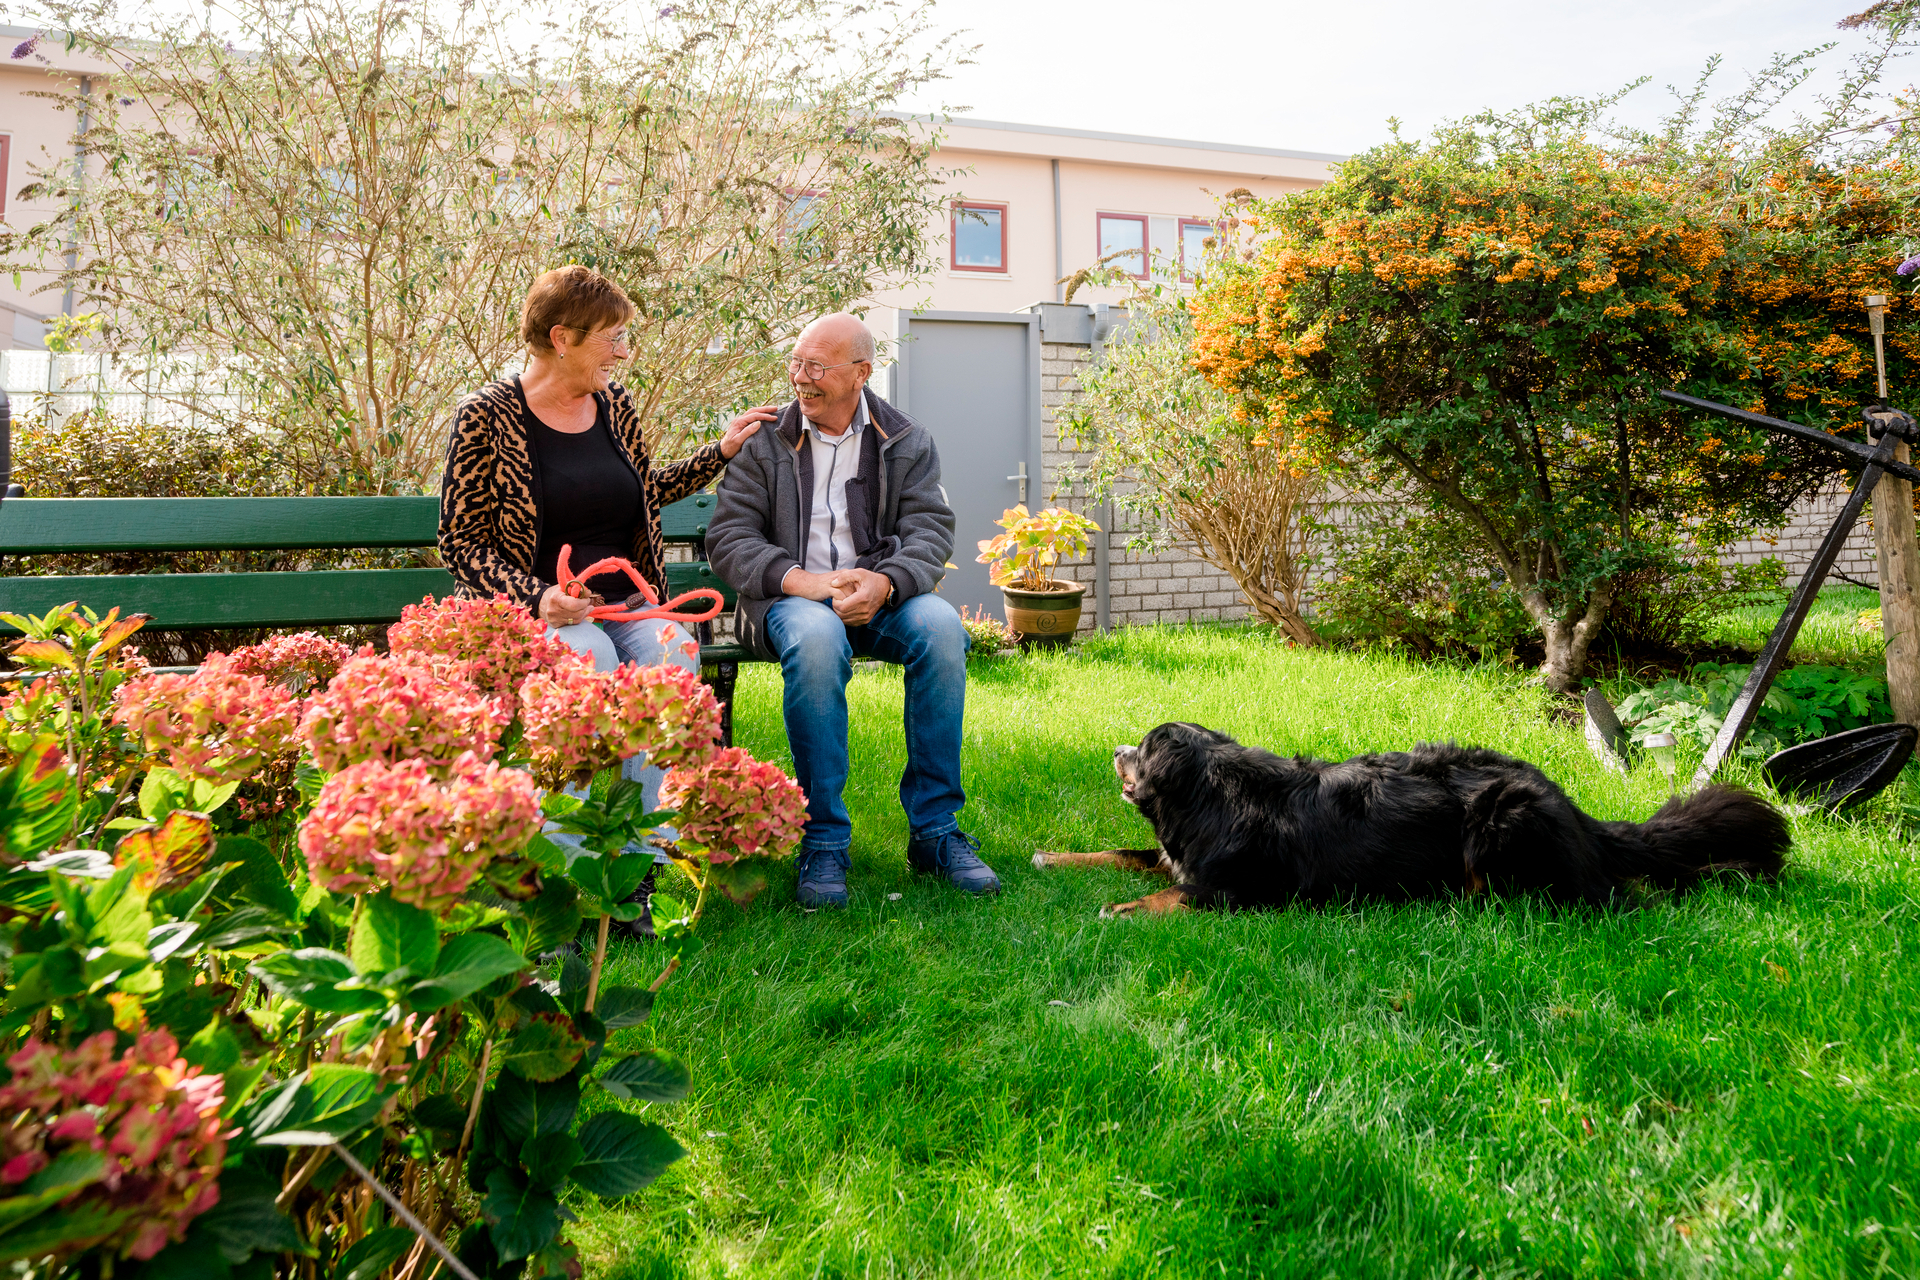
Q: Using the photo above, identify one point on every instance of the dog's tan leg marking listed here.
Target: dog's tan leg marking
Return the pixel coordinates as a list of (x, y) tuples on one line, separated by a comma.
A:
[(1154, 904), (1146, 860)]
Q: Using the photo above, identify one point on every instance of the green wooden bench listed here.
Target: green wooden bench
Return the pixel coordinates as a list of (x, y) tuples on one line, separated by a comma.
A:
[(292, 598)]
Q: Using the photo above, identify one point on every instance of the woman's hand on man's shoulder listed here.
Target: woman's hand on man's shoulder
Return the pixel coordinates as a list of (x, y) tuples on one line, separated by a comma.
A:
[(741, 429)]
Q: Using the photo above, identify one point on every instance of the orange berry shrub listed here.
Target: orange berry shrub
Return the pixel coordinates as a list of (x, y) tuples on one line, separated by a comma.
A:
[(1482, 325), (205, 1004)]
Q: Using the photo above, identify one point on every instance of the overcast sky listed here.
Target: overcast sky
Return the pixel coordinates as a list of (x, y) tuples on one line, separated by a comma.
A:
[(1325, 75)]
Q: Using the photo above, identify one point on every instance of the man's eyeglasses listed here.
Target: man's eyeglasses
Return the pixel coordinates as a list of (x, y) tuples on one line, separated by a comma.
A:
[(814, 369)]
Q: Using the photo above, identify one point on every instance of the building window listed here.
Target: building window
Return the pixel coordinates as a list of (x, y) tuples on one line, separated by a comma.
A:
[(979, 237), (1193, 248), (6, 173), (1123, 239), (801, 225)]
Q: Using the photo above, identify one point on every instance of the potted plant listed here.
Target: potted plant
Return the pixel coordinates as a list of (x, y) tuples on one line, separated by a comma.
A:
[(1041, 608)]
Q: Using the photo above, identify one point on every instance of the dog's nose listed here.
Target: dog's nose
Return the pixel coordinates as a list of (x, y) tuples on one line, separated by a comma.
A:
[(1122, 749)]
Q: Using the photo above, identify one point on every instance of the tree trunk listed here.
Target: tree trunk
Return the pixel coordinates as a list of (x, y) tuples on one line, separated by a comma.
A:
[(1899, 557), (1567, 638)]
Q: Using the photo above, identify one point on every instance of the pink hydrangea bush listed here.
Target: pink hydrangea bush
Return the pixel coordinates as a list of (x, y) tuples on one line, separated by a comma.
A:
[(217, 722), (303, 661), (154, 1119), (495, 643), (579, 721), (401, 825), (400, 708), (734, 806)]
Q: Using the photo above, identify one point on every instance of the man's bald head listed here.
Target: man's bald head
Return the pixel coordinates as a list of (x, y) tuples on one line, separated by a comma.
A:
[(848, 337), (843, 347)]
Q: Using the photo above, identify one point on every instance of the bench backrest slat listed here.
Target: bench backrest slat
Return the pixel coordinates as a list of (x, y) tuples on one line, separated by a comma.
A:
[(45, 526), (686, 520), (317, 597), (293, 598)]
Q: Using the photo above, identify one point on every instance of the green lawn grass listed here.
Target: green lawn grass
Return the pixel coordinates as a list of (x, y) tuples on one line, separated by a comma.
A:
[(1831, 634), (931, 1085)]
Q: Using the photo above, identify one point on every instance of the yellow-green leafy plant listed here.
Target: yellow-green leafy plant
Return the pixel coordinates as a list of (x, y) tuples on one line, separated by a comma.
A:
[(1023, 557)]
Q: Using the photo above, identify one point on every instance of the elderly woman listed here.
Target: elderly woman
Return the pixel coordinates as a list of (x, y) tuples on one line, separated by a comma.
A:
[(556, 457)]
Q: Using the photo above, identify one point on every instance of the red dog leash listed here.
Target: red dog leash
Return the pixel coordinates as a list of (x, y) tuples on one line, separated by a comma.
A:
[(575, 585)]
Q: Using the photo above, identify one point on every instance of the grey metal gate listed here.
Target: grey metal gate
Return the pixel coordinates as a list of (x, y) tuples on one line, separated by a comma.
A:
[(972, 378)]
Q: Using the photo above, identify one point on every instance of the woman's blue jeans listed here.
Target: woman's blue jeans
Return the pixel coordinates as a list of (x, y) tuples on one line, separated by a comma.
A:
[(645, 644), (922, 634)]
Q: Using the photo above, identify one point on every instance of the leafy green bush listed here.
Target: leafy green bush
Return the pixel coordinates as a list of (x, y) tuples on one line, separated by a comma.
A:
[(1417, 579), (1804, 703), (214, 1038), (95, 455), (1664, 608)]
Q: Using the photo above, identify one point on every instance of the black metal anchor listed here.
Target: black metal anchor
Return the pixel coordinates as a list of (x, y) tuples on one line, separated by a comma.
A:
[(1850, 769)]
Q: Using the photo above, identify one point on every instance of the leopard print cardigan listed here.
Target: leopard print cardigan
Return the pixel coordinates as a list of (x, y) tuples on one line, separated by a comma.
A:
[(490, 494)]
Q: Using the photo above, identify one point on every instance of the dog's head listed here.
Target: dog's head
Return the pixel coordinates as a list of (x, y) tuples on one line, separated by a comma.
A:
[(1168, 762)]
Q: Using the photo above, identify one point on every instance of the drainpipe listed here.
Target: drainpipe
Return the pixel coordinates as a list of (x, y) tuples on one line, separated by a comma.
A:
[(1059, 257), (1098, 325), (80, 182)]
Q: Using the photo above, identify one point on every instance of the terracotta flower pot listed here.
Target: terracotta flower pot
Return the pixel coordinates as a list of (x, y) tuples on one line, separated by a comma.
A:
[(1045, 618)]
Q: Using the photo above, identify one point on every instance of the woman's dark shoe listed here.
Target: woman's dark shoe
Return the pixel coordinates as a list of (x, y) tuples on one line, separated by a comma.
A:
[(641, 926), (823, 877), (953, 856)]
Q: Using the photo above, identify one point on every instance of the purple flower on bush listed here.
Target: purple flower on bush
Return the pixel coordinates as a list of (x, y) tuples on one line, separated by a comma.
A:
[(1908, 267), (25, 47), (670, 10)]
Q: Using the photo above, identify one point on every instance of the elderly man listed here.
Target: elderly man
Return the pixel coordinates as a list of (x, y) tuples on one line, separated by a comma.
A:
[(835, 531)]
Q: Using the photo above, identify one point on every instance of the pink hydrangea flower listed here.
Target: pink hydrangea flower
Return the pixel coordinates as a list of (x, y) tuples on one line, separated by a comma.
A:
[(736, 807), (154, 1118), (402, 825), (495, 643), (579, 721), (400, 708), (216, 722), (303, 660)]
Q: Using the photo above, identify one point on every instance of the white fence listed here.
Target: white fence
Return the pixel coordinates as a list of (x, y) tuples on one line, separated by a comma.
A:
[(42, 383)]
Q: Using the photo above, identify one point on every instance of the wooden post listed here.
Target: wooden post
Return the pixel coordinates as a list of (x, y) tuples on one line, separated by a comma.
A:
[(1899, 558)]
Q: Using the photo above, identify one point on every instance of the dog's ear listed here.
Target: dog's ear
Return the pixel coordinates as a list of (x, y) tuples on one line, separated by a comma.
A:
[(1172, 760)]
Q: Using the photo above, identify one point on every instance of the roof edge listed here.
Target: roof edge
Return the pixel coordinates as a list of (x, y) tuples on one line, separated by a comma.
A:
[(1103, 136)]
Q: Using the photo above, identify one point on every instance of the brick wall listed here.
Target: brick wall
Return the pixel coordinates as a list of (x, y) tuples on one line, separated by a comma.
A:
[(1795, 544), (1171, 586)]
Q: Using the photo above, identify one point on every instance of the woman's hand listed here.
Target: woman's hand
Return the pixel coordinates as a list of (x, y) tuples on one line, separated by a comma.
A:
[(558, 609), (743, 427)]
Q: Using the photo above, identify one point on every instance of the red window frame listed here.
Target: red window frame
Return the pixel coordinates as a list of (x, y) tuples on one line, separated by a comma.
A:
[(1180, 243), (6, 169), (1146, 241), (953, 236)]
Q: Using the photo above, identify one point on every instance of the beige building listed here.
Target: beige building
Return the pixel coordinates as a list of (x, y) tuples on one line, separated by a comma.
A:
[(1032, 203), (34, 131), (1035, 204)]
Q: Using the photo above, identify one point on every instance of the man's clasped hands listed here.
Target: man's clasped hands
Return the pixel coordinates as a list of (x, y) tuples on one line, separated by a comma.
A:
[(855, 594)]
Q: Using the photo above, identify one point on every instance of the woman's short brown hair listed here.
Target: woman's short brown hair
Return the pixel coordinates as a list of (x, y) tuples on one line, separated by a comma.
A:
[(574, 297)]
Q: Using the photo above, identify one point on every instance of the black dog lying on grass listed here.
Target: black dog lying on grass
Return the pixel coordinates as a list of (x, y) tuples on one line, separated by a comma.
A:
[(1242, 827)]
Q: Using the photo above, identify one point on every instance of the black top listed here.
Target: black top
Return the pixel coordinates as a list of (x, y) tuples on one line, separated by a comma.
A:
[(589, 500)]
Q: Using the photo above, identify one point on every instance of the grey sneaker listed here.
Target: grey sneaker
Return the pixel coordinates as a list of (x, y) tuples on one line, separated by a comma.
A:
[(953, 856), (823, 878)]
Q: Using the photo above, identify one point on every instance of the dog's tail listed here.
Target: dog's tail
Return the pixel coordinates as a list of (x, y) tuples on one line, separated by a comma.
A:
[(1717, 828)]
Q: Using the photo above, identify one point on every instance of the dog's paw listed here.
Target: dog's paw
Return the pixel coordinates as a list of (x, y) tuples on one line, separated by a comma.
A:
[(1040, 859), (1115, 910)]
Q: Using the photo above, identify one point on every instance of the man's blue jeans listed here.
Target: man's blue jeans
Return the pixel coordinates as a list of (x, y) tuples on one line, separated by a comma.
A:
[(922, 634)]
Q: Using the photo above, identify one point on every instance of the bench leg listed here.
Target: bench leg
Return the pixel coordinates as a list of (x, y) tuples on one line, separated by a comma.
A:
[(720, 677)]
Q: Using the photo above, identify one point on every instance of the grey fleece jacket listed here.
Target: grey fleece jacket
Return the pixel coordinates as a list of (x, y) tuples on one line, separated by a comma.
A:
[(902, 525)]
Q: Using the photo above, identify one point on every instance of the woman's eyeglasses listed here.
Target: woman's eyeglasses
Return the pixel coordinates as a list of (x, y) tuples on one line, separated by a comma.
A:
[(618, 339)]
